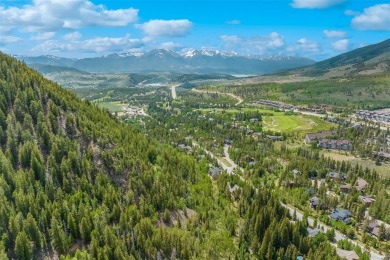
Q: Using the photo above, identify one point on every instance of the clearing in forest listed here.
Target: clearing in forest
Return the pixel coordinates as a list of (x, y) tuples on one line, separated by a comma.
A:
[(279, 122)]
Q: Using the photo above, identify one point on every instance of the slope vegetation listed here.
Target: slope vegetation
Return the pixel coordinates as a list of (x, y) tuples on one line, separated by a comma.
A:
[(76, 183), (73, 177), (368, 60)]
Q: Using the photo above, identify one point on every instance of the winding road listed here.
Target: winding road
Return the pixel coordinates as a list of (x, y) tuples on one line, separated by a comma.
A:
[(338, 235)]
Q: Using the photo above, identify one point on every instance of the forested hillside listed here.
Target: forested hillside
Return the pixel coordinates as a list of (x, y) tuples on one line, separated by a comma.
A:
[(76, 182)]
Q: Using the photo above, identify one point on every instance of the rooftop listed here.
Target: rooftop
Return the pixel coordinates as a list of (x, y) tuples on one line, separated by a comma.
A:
[(360, 184)]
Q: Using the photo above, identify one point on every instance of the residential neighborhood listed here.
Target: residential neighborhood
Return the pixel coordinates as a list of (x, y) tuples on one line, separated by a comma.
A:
[(374, 116)]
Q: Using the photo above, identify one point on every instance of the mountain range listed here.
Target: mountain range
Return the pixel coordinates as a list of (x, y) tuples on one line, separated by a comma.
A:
[(199, 61)]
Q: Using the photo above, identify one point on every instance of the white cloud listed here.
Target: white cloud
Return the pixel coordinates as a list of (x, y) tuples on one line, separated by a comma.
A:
[(53, 15), (74, 36), (94, 45), (311, 4), (43, 36), (341, 45), (9, 39), (233, 22), (376, 17), (259, 44), (335, 34), (275, 40), (304, 45), (170, 46), (166, 28), (230, 39)]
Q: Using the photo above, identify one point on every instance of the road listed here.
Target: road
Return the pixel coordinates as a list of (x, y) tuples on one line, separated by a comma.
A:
[(291, 209), (338, 235), (227, 157), (239, 99), (173, 90), (228, 169)]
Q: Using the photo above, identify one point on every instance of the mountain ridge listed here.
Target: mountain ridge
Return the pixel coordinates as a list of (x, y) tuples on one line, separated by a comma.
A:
[(157, 60), (367, 60)]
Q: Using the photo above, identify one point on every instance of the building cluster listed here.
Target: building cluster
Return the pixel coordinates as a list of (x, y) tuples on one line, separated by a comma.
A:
[(315, 137), (338, 121), (341, 144), (133, 111), (283, 106), (374, 116), (186, 148), (324, 140), (337, 185), (275, 104)]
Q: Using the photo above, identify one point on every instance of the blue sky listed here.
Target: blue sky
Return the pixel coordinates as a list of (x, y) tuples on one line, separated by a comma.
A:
[(317, 29)]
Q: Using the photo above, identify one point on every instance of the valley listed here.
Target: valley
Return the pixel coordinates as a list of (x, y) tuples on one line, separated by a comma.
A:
[(194, 130), (192, 166)]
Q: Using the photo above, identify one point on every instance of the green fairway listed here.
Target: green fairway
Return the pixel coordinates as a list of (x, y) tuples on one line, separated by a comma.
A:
[(112, 106), (280, 122), (291, 123)]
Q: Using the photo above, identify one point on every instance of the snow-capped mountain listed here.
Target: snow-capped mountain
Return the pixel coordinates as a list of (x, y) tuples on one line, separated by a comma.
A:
[(204, 61), (131, 54), (209, 53)]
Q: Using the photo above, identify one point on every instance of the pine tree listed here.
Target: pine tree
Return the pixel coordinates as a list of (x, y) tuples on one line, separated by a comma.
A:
[(23, 249)]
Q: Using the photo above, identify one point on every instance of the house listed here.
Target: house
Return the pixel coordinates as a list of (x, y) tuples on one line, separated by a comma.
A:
[(333, 175), (345, 254), (228, 141), (373, 228), (360, 184), (314, 201), (233, 189), (314, 137), (182, 146), (253, 120), (313, 231), (342, 144), (257, 135), (214, 172), (384, 156), (342, 215), (367, 200), (345, 188)]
